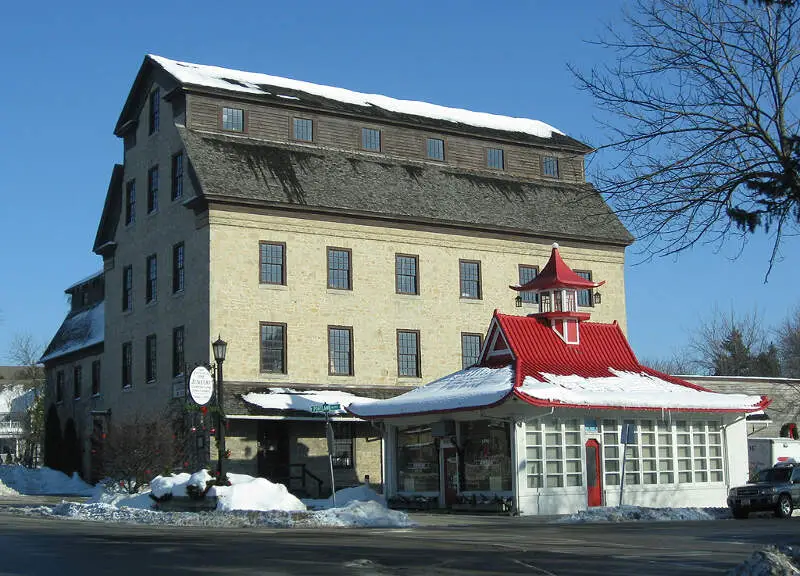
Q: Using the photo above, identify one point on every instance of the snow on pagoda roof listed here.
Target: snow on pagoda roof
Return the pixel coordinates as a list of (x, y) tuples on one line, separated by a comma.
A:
[(630, 390), (476, 387), (256, 83), (288, 399)]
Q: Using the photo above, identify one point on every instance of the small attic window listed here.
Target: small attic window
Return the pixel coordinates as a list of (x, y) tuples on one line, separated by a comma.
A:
[(233, 119)]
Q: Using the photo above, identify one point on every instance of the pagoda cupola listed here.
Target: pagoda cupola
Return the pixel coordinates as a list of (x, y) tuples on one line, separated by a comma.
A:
[(557, 287)]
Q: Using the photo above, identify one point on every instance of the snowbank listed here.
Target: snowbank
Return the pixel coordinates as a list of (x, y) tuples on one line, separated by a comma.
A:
[(248, 493), (355, 515), (345, 496), (769, 561), (176, 484), (44, 481), (6, 491), (640, 514)]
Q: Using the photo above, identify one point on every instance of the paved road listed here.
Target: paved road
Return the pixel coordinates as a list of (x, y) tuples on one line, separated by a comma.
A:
[(446, 545)]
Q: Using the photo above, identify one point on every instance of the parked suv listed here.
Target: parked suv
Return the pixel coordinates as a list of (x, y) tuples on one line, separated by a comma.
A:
[(776, 489)]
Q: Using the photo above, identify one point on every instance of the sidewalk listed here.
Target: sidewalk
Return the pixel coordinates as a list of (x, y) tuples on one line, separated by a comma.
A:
[(433, 519)]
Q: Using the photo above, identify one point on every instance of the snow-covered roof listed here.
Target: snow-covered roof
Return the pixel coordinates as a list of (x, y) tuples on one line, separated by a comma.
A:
[(289, 399), (16, 398), (631, 390), (78, 331), (84, 280), (475, 387), (264, 84)]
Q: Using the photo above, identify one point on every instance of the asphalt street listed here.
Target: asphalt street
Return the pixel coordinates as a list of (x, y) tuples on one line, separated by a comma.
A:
[(464, 545)]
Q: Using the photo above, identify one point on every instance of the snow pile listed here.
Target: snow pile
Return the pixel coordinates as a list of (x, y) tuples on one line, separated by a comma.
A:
[(248, 493), (44, 481), (361, 514), (471, 388), (6, 491), (355, 515), (255, 83), (176, 484), (631, 389), (641, 514), (345, 496), (288, 399), (770, 561)]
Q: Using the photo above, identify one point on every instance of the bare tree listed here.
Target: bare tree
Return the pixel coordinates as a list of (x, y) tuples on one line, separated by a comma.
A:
[(25, 352), (733, 345), (139, 448), (678, 363), (789, 345), (703, 102)]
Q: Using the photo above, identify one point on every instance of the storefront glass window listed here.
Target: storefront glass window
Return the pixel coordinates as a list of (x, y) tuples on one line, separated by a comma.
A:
[(487, 456), (417, 460)]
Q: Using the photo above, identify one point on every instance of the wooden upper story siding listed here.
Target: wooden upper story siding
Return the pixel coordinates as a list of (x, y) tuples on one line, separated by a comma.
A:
[(276, 124)]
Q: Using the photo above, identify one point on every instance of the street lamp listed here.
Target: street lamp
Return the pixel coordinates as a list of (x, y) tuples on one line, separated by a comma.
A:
[(220, 348)]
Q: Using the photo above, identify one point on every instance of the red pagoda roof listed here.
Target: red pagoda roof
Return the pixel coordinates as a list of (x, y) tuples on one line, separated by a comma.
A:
[(556, 274)]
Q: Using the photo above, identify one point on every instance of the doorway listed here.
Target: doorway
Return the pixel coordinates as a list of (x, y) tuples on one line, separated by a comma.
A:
[(450, 476), (273, 451), (594, 479)]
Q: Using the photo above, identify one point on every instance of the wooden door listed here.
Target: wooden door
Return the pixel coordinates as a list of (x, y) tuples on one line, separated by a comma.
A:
[(594, 477), (450, 476), (273, 451)]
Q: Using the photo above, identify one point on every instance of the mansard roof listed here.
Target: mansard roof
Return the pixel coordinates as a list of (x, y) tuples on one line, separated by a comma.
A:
[(287, 92), (296, 177)]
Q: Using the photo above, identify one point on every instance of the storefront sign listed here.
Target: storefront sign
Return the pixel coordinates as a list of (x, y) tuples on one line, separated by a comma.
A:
[(201, 385), (590, 426)]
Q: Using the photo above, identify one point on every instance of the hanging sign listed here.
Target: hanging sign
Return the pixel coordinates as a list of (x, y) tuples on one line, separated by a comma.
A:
[(201, 385)]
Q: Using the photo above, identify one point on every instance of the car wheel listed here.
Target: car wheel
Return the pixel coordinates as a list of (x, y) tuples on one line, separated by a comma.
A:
[(740, 514), (784, 508)]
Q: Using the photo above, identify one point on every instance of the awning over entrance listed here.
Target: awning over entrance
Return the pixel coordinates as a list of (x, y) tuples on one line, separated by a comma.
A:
[(304, 401)]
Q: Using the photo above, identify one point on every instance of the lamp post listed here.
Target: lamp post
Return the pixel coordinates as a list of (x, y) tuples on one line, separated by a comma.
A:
[(220, 348)]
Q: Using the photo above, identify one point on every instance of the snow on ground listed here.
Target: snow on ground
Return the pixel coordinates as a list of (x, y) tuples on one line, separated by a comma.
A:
[(248, 493), (770, 561), (248, 501), (641, 514), (6, 491), (345, 496), (44, 481)]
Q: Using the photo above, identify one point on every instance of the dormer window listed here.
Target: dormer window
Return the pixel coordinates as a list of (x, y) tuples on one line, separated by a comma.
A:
[(155, 111), (233, 119), (550, 166)]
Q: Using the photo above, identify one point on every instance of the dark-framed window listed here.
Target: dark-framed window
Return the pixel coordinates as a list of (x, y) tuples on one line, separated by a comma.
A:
[(77, 382), (96, 378), (585, 296), (130, 202), (406, 270), (233, 119), (127, 364), (550, 166), (273, 347), (177, 176), (340, 351), (155, 111), (495, 159), (435, 149), (342, 457), (177, 268), (60, 386), (371, 139), (178, 342), (340, 274), (151, 292), (526, 274), (470, 349), (303, 129), (152, 190), (127, 288), (272, 263), (408, 356), (151, 358), (470, 279)]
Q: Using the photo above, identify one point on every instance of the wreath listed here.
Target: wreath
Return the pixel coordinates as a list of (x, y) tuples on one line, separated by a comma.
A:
[(789, 430)]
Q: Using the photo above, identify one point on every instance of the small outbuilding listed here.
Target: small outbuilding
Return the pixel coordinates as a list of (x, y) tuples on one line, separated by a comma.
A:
[(558, 415)]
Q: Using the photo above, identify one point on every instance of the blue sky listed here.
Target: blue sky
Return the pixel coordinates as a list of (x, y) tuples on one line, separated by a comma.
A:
[(67, 68)]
